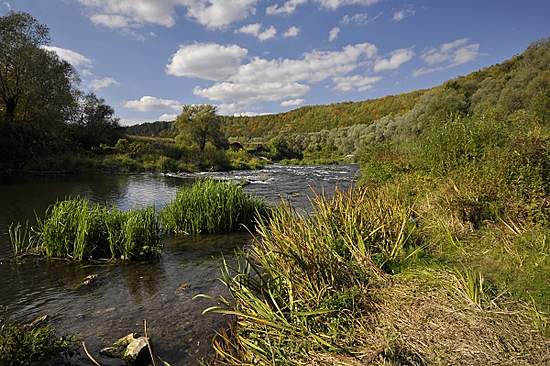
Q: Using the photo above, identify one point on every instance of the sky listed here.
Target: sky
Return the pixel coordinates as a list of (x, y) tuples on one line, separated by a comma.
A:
[(147, 58)]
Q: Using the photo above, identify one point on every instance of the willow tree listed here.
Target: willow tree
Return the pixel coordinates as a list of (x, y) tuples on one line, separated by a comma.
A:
[(200, 124)]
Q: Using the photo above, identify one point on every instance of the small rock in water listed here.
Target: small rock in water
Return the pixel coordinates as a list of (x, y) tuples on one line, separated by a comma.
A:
[(132, 349), (89, 280)]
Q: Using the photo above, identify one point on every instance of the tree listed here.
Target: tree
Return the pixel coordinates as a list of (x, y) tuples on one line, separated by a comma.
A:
[(20, 37), (35, 84), (201, 124), (95, 122)]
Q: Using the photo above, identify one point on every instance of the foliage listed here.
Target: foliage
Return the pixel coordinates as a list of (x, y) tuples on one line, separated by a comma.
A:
[(199, 124), (29, 345), (42, 112), (80, 230), (210, 206), (95, 123)]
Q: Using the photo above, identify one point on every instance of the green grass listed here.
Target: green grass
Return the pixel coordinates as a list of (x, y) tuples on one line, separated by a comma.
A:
[(79, 230), (210, 206), (359, 280)]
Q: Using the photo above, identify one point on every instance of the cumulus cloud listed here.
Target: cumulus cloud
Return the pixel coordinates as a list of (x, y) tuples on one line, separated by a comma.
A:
[(112, 21), (399, 15), (74, 58), (282, 79), (256, 31), (125, 13), (396, 59), (291, 32), (355, 82), (250, 93), (448, 55), (314, 66), (292, 102), (219, 13), (148, 103), (359, 19), (288, 7), (335, 4), (333, 34), (102, 83), (208, 61)]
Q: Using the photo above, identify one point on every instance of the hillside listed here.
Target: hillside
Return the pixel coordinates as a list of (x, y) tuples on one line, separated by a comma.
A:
[(321, 117), (305, 119)]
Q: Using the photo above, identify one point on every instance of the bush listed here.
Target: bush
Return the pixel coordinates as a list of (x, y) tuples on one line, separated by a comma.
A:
[(210, 206)]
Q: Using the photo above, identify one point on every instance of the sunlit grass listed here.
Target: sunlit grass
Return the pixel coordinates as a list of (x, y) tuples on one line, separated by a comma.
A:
[(81, 230), (210, 206)]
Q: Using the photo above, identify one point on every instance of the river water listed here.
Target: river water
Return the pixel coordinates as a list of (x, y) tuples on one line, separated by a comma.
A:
[(125, 294)]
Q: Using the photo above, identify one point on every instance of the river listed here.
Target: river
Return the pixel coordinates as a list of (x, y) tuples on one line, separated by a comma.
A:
[(127, 293)]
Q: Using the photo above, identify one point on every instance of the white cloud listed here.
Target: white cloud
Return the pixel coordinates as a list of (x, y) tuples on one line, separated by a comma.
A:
[(102, 83), (448, 55), (358, 82), (288, 7), (335, 4), (256, 31), (149, 103), (397, 58), (112, 20), (292, 102), (252, 93), (74, 58), (281, 79), (167, 117), (125, 13), (333, 34), (291, 32), (359, 19), (219, 13), (312, 67), (208, 61), (401, 14)]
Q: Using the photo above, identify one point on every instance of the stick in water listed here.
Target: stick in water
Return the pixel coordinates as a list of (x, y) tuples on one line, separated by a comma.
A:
[(147, 340), (89, 355)]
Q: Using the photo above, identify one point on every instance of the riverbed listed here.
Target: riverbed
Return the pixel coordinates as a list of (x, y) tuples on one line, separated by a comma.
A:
[(125, 294)]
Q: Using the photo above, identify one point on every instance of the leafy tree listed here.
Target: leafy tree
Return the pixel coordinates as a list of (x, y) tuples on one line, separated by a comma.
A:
[(95, 122), (200, 124), (34, 83)]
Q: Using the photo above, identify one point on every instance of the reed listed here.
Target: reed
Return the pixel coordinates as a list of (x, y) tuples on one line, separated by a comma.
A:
[(19, 238), (303, 282), (210, 206), (78, 229)]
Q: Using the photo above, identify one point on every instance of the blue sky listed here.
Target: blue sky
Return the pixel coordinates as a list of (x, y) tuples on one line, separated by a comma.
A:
[(148, 57)]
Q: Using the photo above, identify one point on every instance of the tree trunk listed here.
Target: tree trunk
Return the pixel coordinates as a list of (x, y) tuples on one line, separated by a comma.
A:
[(11, 104), (202, 143)]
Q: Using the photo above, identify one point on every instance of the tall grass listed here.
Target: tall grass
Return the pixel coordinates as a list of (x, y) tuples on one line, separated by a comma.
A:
[(80, 230), (305, 278), (210, 206)]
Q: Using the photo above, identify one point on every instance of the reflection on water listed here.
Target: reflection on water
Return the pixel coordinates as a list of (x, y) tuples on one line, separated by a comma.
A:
[(125, 294)]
